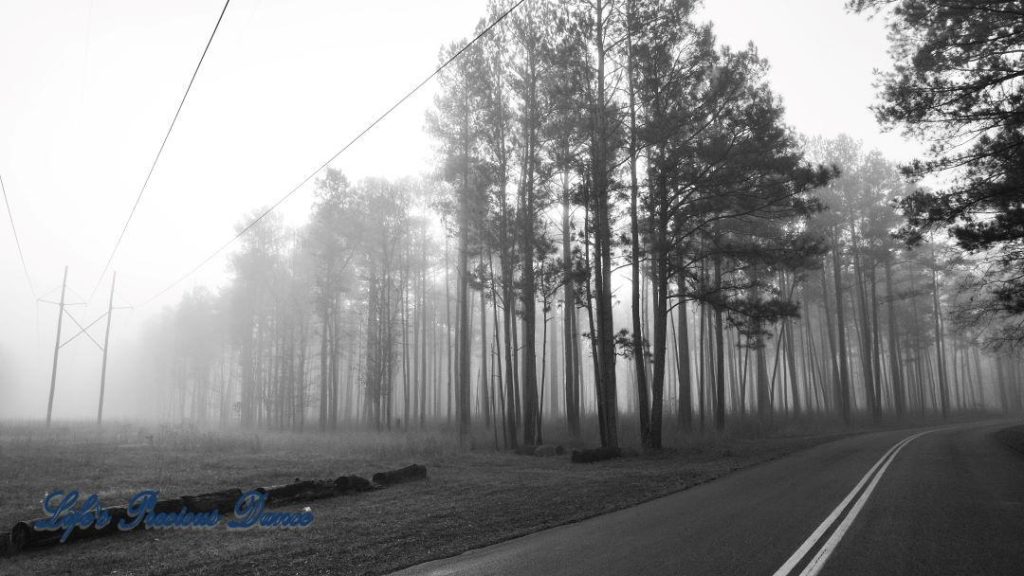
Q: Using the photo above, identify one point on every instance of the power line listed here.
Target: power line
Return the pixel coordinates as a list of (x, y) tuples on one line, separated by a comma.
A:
[(312, 174), (156, 159), (17, 240)]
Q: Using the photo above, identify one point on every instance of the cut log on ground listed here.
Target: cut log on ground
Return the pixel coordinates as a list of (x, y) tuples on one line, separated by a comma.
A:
[(302, 490), (168, 506), (223, 501), (407, 474), (595, 455), (117, 513), (352, 484), (24, 536)]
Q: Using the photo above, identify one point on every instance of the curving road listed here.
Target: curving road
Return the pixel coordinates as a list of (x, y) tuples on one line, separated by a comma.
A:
[(925, 502)]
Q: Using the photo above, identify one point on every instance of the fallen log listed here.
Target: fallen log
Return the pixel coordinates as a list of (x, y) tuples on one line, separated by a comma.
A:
[(223, 501), (168, 506), (587, 456), (407, 474), (24, 536), (301, 490), (352, 484), (117, 513), (285, 491)]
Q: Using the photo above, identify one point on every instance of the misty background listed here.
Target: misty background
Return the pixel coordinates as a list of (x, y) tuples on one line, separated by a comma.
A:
[(91, 86)]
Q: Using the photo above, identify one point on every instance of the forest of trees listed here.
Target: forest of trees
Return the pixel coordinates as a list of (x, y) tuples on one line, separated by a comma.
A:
[(620, 224)]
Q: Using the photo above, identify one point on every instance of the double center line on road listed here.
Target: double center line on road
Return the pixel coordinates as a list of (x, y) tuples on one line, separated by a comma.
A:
[(830, 532)]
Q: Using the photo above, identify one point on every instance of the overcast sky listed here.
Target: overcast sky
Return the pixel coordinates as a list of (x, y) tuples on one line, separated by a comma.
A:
[(90, 86)]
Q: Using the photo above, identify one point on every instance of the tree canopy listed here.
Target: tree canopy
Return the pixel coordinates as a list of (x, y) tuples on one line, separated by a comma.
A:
[(957, 82)]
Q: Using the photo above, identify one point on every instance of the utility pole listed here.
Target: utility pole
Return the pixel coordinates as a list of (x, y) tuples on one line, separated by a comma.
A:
[(56, 347), (106, 344)]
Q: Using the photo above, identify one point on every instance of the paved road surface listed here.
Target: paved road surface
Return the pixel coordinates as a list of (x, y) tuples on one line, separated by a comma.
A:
[(949, 501)]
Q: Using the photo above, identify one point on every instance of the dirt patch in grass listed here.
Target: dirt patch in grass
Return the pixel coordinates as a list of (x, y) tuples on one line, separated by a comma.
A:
[(470, 499)]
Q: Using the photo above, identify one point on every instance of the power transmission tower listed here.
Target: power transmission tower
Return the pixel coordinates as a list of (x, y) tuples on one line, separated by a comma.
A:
[(56, 347), (82, 329), (106, 345)]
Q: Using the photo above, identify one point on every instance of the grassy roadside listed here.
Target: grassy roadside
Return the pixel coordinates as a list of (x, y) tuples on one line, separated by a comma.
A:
[(1013, 438), (471, 499)]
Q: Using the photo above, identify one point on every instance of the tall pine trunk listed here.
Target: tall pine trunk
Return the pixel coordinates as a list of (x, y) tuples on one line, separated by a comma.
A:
[(570, 339), (603, 242), (898, 391), (844, 370)]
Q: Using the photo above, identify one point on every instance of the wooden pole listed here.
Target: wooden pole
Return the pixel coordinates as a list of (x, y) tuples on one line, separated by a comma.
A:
[(56, 348), (106, 345)]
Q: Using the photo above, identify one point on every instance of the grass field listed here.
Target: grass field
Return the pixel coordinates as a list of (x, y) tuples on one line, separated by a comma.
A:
[(471, 498)]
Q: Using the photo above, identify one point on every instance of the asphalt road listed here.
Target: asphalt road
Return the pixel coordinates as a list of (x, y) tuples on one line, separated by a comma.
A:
[(949, 501)]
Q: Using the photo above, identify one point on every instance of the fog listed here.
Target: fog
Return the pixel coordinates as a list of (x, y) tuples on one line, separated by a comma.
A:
[(90, 88), (479, 286)]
